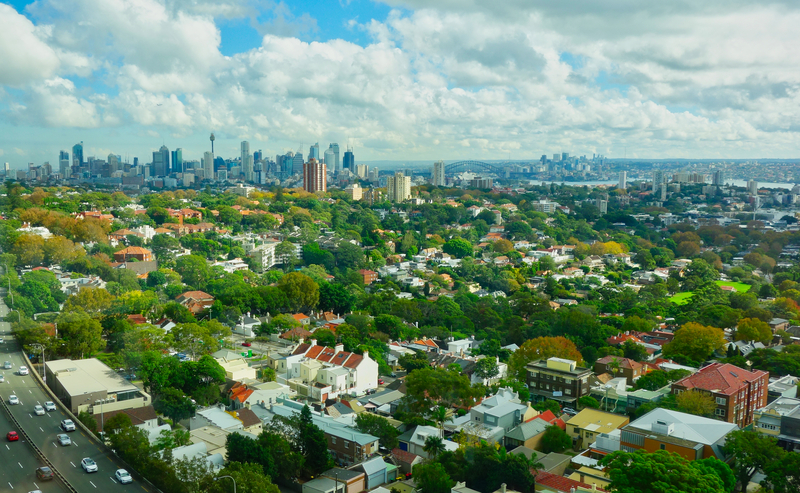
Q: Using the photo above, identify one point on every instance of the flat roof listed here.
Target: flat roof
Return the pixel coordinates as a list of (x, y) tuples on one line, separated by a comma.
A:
[(88, 375)]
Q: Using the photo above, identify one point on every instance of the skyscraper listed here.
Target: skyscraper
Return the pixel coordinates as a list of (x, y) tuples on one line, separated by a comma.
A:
[(564, 156), (335, 148), (349, 160), (718, 178), (362, 170), (438, 174), (623, 180), (315, 176), (208, 166), (63, 164), (313, 152), (247, 162), (258, 155), (556, 157), (658, 180), (399, 187), (330, 160), (177, 160), (752, 187), (161, 162), (297, 163), (77, 154)]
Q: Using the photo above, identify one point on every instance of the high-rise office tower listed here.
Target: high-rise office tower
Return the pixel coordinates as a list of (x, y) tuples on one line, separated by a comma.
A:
[(349, 160), (77, 154), (658, 180), (330, 160), (177, 160), (297, 164), (374, 174), (362, 170), (161, 162), (438, 174), (247, 162), (556, 157), (399, 187), (258, 155), (335, 148), (208, 166), (63, 164), (564, 156), (113, 163), (752, 187), (718, 178), (313, 152), (315, 176), (623, 180)]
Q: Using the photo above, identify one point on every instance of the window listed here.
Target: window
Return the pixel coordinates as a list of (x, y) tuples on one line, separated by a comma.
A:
[(721, 401), (720, 412), (568, 391), (333, 440), (346, 444), (663, 447)]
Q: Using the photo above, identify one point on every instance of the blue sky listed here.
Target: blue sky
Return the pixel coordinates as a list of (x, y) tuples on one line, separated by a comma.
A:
[(400, 79)]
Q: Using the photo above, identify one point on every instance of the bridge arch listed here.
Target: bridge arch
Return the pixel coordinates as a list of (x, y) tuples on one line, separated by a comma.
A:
[(472, 165)]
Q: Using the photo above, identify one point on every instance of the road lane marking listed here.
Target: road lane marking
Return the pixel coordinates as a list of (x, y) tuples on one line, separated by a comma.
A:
[(36, 485), (12, 486), (92, 484), (8, 447), (112, 479), (20, 466), (41, 429), (73, 465)]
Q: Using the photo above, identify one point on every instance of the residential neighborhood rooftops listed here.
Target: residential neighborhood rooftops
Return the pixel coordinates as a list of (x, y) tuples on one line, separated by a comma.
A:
[(683, 426)]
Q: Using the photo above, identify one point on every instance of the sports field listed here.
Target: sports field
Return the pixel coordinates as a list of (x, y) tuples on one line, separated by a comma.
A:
[(683, 298)]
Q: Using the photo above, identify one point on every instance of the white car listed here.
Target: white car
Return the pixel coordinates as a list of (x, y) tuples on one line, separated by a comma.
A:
[(49, 406), (67, 425), (7, 365), (2, 379), (123, 476), (23, 370), (38, 410), (13, 400), (89, 465), (64, 440)]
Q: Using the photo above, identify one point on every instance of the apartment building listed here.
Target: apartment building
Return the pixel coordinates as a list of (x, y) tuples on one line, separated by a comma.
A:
[(737, 392), (558, 379)]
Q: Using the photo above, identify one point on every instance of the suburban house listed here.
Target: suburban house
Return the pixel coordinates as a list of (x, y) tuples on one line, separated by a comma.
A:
[(587, 424), (195, 301), (780, 419), (529, 434), (623, 367), (413, 440), (737, 392), (558, 379), (692, 437), (133, 253)]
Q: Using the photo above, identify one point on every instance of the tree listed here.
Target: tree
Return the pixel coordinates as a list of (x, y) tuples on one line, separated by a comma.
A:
[(783, 475), (634, 351), (752, 452), (81, 335), (324, 337), (89, 300), (433, 446), (428, 387), (87, 420), (312, 444), (431, 477), (643, 472), (378, 426), (548, 405), (301, 291), (349, 256), (696, 402), (555, 440), (336, 298), (194, 270), (280, 324), (29, 250), (229, 215), (654, 380), (458, 247), (486, 368), (588, 401), (541, 348), (695, 342), (249, 478), (174, 404), (502, 246), (753, 329)]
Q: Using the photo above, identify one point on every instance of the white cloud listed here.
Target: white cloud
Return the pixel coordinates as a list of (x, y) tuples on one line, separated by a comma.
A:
[(24, 56)]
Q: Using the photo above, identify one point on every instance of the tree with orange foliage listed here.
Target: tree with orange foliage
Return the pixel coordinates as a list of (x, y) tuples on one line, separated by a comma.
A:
[(542, 348)]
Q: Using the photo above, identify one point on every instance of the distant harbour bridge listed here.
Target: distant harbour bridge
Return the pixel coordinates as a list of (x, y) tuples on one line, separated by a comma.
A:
[(451, 168)]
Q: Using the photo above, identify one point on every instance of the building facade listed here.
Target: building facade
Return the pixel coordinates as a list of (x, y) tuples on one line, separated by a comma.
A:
[(315, 176), (349, 160), (399, 187), (438, 174), (558, 379)]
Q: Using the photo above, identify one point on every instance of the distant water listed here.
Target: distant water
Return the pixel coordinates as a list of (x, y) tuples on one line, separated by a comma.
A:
[(735, 183)]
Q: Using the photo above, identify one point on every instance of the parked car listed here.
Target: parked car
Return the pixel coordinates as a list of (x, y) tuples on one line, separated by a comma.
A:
[(570, 411), (64, 440), (38, 410), (246, 344), (44, 473), (23, 370), (12, 399), (67, 425), (89, 465), (12, 436), (123, 476), (380, 381), (49, 406)]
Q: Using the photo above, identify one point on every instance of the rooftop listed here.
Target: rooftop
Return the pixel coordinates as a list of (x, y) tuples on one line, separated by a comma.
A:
[(720, 378), (88, 375), (685, 426)]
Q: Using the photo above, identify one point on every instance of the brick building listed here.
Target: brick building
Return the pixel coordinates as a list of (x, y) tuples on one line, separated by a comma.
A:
[(627, 368), (558, 379), (133, 253), (737, 392)]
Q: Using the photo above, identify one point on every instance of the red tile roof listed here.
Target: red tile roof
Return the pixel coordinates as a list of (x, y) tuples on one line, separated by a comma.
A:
[(195, 295), (248, 417), (314, 351), (326, 355), (626, 363), (559, 483), (720, 378), (404, 456), (301, 349), (240, 392), (353, 361), (295, 333)]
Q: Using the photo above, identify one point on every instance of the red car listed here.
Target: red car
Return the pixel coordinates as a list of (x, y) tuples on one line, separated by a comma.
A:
[(380, 381), (246, 344), (12, 436)]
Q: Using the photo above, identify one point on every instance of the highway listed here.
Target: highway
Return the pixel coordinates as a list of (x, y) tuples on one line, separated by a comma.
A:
[(43, 430)]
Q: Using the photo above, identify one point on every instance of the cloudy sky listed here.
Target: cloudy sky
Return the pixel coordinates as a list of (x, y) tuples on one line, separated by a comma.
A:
[(401, 79)]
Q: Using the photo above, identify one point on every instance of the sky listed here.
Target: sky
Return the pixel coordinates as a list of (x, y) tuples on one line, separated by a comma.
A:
[(401, 79)]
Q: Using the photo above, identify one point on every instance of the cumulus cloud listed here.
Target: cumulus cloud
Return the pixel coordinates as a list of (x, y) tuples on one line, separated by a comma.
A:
[(24, 56)]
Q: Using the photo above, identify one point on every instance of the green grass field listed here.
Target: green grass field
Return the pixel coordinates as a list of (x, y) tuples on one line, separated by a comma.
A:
[(683, 298)]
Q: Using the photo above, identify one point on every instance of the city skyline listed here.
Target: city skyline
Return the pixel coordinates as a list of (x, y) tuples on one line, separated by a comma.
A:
[(399, 79)]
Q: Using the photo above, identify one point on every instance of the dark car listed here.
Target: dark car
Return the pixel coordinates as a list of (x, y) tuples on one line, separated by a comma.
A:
[(12, 436), (44, 473), (246, 344)]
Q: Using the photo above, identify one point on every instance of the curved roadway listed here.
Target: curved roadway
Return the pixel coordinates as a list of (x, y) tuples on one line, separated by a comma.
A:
[(43, 430)]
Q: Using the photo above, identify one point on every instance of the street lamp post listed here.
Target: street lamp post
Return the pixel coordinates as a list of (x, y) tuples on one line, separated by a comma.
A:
[(102, 416), (40, 347), (231, 477)]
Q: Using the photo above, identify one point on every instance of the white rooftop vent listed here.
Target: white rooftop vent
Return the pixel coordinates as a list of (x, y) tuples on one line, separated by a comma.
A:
[(663, 427)]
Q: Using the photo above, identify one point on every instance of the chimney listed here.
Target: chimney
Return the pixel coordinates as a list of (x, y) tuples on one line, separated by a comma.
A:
[(503, 488), (583, 479)]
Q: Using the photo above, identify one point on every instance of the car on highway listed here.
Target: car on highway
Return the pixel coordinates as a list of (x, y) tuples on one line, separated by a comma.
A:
[(44, 473), (123, 476), (64, 440), (89, 465), (7, 365), (67, 425), (2, 340), (2, 379), (23, 370), (246, 344), (12, 436), (12, 399), (38, 410), (49, 406)]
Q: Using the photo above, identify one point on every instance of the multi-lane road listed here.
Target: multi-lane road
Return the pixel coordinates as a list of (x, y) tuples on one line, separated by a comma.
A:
[(19, 462)]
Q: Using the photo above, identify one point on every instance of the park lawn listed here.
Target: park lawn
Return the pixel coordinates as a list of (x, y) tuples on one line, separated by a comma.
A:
[(683, 298)]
